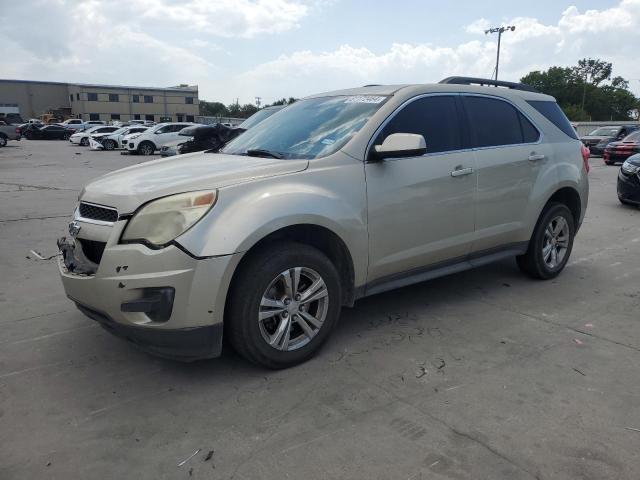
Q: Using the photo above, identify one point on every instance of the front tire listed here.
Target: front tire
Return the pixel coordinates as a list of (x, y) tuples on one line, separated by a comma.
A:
[(283, 305), (109, 144), (66, 136), (551, 243), (84, 141), (146, 148)]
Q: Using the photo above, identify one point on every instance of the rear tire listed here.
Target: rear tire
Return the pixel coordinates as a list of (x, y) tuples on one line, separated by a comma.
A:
[(3, 140), (66, 136), (269, 323), (146, 148), (551, 243)]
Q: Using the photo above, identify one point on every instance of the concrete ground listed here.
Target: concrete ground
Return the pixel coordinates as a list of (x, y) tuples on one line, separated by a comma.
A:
[(480, 375)]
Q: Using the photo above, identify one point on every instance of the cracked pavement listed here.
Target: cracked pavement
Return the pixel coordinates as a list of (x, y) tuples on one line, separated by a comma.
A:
[(484, 374)]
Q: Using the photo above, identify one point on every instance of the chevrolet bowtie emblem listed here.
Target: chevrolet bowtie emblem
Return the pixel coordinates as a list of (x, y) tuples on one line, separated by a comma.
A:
[(74, 229)]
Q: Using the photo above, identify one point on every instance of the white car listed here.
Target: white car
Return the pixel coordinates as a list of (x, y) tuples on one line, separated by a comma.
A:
[(82, 138), (156, 137), (114, 140), (73, 124)]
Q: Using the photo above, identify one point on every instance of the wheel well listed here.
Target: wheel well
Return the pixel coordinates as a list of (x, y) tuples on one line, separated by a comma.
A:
[(569, 197), (324, 240)]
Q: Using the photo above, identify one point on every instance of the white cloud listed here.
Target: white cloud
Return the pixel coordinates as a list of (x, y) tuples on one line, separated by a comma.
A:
[(533, 45)]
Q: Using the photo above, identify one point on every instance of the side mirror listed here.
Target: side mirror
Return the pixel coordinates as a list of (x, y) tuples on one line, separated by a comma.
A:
[(399, 145)]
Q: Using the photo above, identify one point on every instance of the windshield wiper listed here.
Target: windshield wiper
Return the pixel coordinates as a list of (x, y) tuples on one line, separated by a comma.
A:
[(259, 152)]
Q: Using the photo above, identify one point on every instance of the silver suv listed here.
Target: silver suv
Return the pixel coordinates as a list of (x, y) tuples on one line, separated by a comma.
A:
[(336, 197)]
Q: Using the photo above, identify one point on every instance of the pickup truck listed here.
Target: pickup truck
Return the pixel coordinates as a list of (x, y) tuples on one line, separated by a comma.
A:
[(8, 132)]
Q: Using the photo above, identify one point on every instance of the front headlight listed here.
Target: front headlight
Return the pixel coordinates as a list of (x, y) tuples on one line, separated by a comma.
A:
[(629, 168), (162, 220)]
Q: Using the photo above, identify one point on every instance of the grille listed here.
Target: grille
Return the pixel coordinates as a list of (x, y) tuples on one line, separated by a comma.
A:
[(92, 250), (94, 212)]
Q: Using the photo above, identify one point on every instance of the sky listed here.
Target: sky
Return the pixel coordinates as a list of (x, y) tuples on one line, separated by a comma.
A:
[(241, 49)]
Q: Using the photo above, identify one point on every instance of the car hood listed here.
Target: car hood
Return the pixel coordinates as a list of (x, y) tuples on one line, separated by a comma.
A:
[(130, 187)]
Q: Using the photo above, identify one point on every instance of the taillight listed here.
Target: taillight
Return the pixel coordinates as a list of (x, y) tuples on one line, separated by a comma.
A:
[(585, 158), (17, 130)]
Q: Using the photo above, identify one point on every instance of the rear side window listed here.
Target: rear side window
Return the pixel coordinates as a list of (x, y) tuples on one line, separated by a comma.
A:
[(553, 113), (495, 122), (435, 118)]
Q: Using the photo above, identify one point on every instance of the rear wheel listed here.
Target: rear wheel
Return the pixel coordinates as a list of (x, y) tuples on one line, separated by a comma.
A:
[(551, 243), (109, 144), (146, 148), (283, 305), (66, 136), (3, 140)]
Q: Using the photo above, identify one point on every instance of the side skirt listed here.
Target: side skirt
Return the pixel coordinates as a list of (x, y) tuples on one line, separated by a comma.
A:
[(441, 269)]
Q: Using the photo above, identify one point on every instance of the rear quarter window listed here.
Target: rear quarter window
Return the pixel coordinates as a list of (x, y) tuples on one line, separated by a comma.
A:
[(553, 113)]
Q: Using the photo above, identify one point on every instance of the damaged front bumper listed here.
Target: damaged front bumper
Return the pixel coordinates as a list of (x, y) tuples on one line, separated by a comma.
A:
[(165, 301)]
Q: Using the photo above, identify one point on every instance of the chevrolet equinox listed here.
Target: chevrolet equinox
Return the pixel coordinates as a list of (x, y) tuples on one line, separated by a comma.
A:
[(339, 196)]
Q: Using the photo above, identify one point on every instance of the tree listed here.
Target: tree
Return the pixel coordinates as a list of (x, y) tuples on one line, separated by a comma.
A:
[(213, 109), (283, 101), (585, 92)]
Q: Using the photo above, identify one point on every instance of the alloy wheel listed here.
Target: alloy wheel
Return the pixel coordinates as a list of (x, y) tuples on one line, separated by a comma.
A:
[(293, 308), (556, 242)]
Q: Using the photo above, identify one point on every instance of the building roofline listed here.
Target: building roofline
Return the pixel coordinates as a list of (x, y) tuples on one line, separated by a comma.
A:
[(189, 89)]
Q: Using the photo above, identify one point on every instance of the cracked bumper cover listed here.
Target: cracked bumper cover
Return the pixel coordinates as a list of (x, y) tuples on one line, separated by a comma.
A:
[(127, 273)]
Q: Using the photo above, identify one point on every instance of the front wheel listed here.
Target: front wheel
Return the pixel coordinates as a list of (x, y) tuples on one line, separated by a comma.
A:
[(283, 305), (66, 136), (551, 243), (109, 144), (146, 148), (84, 141)]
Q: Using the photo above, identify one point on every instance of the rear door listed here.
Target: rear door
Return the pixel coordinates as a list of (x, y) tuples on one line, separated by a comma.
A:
[(509, 159)]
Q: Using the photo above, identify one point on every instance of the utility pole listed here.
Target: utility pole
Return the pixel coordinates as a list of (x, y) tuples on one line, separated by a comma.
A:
[(258, 99), (499, 31)]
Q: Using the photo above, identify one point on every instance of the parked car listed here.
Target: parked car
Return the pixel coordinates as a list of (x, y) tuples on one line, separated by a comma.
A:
[(170, 149), (339, 196), (46, 132), (629, 181), (113, 140), (73, 124), (620, 151), (598, 140), (146, 143), (82, 137), (9, 132)]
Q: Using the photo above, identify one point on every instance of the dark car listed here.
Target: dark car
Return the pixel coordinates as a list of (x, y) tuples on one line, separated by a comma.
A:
[(48, 132), (207, 137), (598, 140), (629, 181), (620, 151)]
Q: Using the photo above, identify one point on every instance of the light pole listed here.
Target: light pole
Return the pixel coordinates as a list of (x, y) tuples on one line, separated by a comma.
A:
[(499, 31)]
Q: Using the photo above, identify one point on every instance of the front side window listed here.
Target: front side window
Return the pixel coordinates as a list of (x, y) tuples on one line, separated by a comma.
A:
[(435, 118), (311, 128), (495, 122)]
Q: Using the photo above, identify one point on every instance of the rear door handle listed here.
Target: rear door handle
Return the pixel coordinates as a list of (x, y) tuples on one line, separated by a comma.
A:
[(535, 157), (459, 171)]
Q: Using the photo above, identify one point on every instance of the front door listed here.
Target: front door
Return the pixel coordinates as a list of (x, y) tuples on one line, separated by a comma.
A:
[(421, 209)]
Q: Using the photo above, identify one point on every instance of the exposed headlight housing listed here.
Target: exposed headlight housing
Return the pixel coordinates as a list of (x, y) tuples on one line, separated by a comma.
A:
[(629, 168), (162, 220)]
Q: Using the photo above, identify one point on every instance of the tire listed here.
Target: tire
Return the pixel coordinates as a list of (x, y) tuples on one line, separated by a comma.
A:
[(84, 141), (66, 136), (3, 141), (259, 291), (109, 144), (146, 148), (536, 262)]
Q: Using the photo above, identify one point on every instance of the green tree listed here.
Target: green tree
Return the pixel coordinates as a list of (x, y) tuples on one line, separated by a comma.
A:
[(213, 109)]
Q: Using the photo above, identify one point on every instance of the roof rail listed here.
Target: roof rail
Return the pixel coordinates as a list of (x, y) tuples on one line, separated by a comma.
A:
[(488, 82)]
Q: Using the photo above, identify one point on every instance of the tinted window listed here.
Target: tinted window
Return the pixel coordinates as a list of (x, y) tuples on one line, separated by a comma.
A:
[(634, 137), (493, 122), (529, 133), (435, 118), (555, 115)]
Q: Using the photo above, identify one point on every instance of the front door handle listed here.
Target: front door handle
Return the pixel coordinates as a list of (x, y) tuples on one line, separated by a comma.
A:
[(459, 171), (535, 157)]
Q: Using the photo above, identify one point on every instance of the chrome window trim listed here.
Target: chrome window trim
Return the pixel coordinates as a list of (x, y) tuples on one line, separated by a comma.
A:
[(453, 94)]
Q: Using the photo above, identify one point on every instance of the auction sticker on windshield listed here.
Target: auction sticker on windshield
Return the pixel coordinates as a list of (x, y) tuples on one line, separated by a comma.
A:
[(365, 99)]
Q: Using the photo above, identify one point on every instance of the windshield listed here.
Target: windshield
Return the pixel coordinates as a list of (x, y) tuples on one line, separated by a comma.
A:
[(311, 128), (605, 131), (257, 117), (632, 137)]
